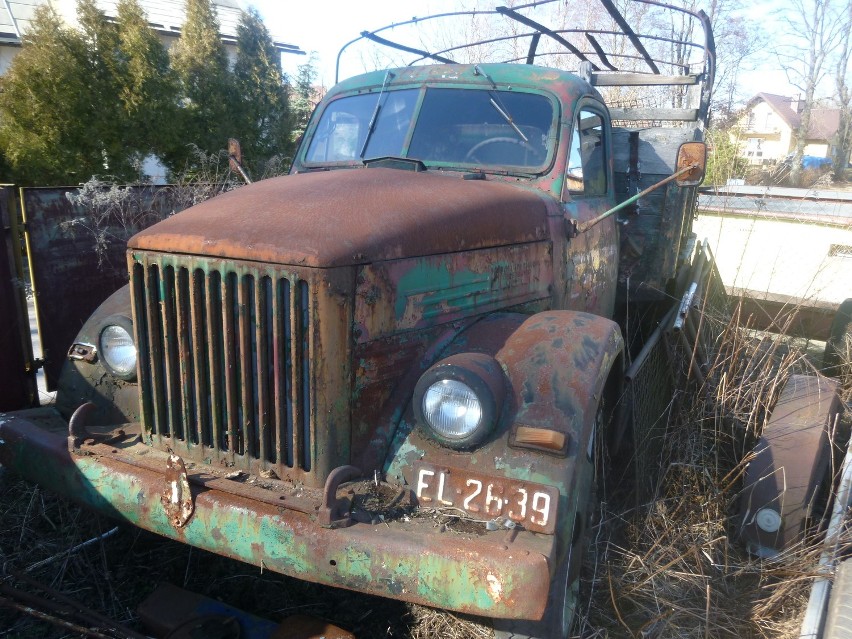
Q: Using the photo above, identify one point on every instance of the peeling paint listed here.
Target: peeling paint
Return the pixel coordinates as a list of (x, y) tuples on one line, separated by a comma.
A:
[(495, 588)]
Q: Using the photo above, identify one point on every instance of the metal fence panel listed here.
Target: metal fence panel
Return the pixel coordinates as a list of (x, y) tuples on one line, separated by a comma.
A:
[(77, 258), (672, 359)]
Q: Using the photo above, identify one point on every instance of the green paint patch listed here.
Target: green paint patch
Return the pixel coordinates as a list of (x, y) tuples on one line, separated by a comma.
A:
[(448, 583), (356, 564), (435, 284)]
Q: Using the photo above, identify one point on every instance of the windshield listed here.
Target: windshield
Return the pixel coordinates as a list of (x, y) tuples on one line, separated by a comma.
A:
[(487, 129)]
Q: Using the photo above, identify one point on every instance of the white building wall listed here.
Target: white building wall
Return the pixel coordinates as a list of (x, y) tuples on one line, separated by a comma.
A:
[(754, 254), (763, 136)]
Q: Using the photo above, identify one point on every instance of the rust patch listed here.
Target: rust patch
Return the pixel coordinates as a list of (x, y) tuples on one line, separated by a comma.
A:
[(177, 496), (318, 219)]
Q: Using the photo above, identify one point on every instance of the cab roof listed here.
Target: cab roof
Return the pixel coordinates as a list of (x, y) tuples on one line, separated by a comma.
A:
[(564, 84)]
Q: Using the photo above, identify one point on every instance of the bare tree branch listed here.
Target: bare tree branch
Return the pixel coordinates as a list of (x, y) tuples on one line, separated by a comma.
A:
[(811, 35), (843, 95)]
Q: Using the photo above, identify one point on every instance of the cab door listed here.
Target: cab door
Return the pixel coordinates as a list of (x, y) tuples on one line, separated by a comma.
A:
[(591, 257)]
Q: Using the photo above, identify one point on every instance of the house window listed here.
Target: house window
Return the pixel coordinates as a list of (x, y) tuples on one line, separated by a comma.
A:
[(752, 119), (768, 121), (754, 148)]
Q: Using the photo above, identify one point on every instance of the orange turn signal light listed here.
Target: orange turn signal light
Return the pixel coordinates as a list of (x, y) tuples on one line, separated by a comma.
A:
[(540, 437)]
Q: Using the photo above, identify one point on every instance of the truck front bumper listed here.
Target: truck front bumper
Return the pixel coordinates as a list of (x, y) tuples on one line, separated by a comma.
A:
[(495, 574)]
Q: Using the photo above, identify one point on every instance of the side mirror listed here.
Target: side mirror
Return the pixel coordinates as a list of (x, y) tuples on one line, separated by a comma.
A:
[(235, 155), (691, 154), (235, 159)]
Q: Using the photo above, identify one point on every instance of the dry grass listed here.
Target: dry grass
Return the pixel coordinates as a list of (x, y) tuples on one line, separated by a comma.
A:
[(845, 374), (114, 575), (672, 567), (669, 567)]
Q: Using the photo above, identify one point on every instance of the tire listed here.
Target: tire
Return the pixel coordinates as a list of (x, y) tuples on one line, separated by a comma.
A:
[(838, 624), (838, 348)]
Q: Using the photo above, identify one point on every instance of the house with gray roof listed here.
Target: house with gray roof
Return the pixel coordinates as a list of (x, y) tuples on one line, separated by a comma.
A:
[(164, 16), (766, 125)]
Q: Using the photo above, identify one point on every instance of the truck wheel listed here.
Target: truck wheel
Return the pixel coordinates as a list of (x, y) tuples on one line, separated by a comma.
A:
[(838, 348)]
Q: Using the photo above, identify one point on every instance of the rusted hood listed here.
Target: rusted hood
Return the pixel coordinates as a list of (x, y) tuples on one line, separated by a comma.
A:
[(352, 216)]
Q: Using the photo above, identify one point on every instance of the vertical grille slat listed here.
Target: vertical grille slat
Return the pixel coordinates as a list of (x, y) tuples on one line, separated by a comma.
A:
[(183, 326), (200, 338), (247, 422), (303, 330), (225, 361), (283, 372), (215, 359), (231, 363), (294, 373), (157, 356), (171, 353), (263, 360), (140, 312)]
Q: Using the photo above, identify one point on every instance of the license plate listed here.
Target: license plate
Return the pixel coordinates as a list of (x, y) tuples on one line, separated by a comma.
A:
[(533, 506)]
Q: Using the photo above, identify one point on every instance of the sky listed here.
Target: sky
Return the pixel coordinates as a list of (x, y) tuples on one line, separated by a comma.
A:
[(324, 26)]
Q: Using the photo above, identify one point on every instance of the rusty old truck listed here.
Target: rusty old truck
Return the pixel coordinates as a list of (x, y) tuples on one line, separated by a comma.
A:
[(427, 316)]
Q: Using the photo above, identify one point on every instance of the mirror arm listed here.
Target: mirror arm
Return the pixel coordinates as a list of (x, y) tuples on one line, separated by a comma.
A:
[(582, 228)]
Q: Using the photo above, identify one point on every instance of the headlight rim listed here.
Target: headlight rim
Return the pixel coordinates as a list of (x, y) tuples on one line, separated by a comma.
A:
[(479, 372), (125, 323)]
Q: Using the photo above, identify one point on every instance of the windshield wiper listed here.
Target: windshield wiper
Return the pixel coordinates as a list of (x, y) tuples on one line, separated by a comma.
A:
[(498, 104), (371, 127)]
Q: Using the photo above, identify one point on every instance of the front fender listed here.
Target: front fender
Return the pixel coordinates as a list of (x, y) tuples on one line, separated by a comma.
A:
[(556, 364), (116, 400)]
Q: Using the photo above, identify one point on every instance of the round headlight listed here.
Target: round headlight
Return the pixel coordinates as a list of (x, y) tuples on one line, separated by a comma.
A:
[(458, 400), (452, 409), (768, 520), (118, 351)]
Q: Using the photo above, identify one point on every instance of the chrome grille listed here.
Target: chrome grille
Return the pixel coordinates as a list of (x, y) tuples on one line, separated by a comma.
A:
[(225, 360)]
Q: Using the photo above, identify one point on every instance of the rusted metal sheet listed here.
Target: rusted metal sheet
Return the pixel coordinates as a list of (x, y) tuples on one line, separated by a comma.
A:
[(484, 573), (17, 388), (590, 278), (77, 259), (338, 218), (555, 381), (791, 460), (658, 225), (404, 295)]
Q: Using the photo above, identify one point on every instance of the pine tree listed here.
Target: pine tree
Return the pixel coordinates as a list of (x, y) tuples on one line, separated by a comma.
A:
[(45, 107), (105, 122), (305, 98), (206, 86), (262, 94), (147, 85)]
